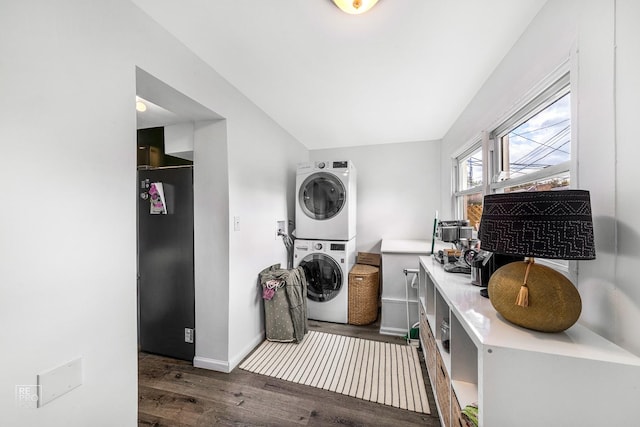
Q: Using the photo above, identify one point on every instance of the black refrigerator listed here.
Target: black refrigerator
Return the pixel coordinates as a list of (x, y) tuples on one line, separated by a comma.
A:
[(166, 301)]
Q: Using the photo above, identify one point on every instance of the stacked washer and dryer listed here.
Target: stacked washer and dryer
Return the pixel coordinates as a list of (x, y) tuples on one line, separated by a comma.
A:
[(325, 244)]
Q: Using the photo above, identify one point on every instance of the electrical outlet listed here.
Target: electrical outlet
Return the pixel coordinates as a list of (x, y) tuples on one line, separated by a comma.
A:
[(280, 228), (189, 335), (236, 223)]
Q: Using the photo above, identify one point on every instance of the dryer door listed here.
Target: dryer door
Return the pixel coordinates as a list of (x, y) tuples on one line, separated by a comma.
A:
[(322, 196), (324, 277)]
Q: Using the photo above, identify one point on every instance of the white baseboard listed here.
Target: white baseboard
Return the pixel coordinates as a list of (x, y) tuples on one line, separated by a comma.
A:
[(211, 364), (228, 366), (236, 359)]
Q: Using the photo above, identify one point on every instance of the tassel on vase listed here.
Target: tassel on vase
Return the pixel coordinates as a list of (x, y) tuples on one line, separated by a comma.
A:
[(523, 296)]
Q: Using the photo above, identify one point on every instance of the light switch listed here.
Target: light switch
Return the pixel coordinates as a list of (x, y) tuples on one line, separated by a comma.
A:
[(236, 223), (58, 381)]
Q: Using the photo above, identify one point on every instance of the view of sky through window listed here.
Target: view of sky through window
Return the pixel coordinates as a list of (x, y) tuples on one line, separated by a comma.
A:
[(471, 170), (542, 141)]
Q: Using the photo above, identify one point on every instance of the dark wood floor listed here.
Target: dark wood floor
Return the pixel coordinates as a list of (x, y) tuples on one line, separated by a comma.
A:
[(174, 393)]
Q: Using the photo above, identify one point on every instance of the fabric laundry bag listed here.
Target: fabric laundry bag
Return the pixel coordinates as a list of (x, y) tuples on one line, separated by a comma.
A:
[(284, 293)]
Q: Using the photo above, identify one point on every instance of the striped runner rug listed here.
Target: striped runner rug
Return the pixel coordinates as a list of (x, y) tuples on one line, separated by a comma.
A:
[(375, 371)]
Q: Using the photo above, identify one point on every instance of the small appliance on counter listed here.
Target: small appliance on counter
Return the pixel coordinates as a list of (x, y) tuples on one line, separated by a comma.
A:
[(483, 265), (454, 231), (445, 256), (460, 234), (481, 268)]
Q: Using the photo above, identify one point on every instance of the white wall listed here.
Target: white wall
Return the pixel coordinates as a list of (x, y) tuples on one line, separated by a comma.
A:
[(398, 190), (262, 161), (626, 297), (211, 244), (67, 276), (605, 92), (178, 140), (67, 222)]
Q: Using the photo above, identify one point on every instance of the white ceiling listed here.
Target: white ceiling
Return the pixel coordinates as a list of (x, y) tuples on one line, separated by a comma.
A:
[(403, 71)]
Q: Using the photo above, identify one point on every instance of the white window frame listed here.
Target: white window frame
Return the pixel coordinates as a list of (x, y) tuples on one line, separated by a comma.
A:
[(553, 87), (551, 94), (458, 194), (554, 91)]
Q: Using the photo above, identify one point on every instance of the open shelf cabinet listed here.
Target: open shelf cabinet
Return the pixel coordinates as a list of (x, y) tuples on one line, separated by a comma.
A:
[(515, 375)]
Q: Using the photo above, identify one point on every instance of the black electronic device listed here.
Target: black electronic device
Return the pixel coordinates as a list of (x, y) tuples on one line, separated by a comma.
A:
[(485, 263), (481, 268)]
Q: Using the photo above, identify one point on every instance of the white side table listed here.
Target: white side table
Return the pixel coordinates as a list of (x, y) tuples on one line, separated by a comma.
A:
[(398, 255)]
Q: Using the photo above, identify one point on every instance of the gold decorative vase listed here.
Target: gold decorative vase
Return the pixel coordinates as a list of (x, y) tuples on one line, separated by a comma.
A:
[(554, 304)]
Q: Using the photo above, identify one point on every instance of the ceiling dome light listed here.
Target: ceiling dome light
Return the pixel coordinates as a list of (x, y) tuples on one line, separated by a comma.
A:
[(141, 106), (355, 7)]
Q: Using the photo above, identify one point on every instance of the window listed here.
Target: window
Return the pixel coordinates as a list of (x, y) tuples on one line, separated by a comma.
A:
[(469, 169), (533, 147), (528, 151)]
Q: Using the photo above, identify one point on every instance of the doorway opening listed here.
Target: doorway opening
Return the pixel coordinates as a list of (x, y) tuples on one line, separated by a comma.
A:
[(166, 122)]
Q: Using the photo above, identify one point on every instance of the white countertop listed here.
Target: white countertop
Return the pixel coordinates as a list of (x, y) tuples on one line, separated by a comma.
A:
[(421, 247), (487, 328)]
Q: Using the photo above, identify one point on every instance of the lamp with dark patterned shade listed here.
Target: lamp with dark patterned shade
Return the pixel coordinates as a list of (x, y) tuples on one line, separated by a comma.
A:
[(542, 224)]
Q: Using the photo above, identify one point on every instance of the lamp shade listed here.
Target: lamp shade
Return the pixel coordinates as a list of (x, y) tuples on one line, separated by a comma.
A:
[(541, 224)]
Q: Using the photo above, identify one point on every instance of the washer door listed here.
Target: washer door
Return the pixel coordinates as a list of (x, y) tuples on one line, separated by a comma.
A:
[(324, 277), (322, 196)]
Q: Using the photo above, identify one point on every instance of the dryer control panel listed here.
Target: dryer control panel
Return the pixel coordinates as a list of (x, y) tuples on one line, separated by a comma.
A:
[(340, 165)]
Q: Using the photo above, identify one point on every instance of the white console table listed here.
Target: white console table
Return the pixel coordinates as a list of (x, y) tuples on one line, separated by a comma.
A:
[(396, 256), (517, 376)]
